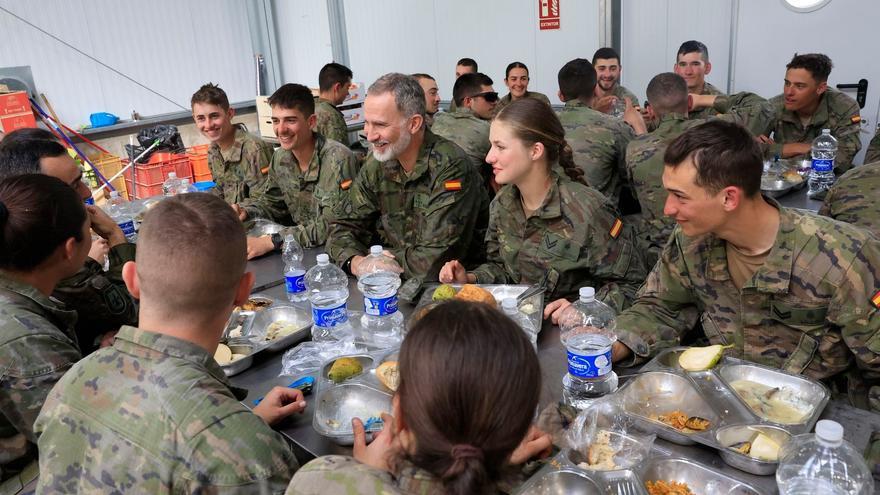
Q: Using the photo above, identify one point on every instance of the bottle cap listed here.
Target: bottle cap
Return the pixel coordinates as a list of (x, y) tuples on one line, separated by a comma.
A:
[(114, 194), (508, 303), (376, 249), (323, 259), (826, 131), (829, 431), (587, 293), (172, 175)]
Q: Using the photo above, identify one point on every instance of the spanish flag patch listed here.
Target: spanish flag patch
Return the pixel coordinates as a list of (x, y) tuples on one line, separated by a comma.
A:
[(876, 299), (616, 228), (856, 119), (344, 185), (452, 185)]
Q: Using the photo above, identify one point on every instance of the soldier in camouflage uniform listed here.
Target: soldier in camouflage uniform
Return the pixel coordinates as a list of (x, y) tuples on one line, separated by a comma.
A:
[(668, 96), (238, 160), (854, 198), (807, 98), (155, 413), (334, 81), (310, 175), (432, 96), (468, 125), (692, 63), (417, 194), (606, 62), (787, 288), (37, 341), (516, 77), (598, 141), (873, 153)]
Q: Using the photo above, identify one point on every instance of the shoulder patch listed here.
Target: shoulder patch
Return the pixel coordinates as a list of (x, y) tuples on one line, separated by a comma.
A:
[(452, 185), (264, 170), (856, 119), (616, 228), (344, 185), (876, 299)]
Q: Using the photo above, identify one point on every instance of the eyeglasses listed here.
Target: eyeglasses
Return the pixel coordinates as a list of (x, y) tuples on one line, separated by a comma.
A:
[(489, 96)]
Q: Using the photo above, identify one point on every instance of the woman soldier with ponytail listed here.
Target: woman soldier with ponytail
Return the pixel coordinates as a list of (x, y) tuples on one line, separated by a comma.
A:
[(546, 225), (462, 418)]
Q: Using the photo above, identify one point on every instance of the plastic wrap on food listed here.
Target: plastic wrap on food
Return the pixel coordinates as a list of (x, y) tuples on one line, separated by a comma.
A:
[(309, 356), (602, 437)]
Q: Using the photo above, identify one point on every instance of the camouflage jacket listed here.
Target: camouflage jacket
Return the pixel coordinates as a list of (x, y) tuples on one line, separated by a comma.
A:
[(342, 475), (621, 93), (836, 111), (705, 113), (575, 238), (599, 145), (308, 198), (240, 170), (155, 414), (437, 213), (37, 346), (465, 129), (101, 300), (506, 99), (807, 310), (330, 122), (855, 199), (873, 153)]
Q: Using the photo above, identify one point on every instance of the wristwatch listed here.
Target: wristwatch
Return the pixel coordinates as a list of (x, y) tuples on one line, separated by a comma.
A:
[(346, 267), (277, 241)]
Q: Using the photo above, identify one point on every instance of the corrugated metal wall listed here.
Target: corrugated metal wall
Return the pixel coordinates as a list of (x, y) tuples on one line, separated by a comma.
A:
[(170, 46), (303, 34)]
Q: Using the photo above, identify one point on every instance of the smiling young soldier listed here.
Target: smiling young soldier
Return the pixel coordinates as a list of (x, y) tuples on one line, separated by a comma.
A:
[(238, 160), (787, 288), (309, 176), (606, 61), (692, 63), (806, 106)]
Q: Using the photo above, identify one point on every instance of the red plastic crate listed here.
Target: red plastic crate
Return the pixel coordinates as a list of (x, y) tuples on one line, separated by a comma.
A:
[(151, 176), (198, 159)]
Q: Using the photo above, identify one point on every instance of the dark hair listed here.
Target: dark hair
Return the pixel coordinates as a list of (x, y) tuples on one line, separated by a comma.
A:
[(469, 85), (331, 74), (469, 385), (668, 92), (691, 47), (293, 96), (27, 134), (422, 75), (39, 213), (724, 154), (818, 65), (577, 79), (22, 156), (606, 52), (533, 121), (515, 65), (212, 94), (468, 62)]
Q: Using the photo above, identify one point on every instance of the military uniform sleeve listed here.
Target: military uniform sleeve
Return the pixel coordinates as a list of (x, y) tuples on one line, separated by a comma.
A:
[(267, 201), (341, 475), (445, 217), (848, 139), (664, 309), (354, 220), (873, 153), (855, 307), (331, 124), (331, 192), (256, 159), (614, 261), (493, 271), (751, 111), (33, 365)]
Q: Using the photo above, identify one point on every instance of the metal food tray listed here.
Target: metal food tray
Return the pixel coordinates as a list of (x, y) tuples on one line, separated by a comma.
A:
[(298, 316), (534, 303), (363, 393), (235, 367), (663, 386)]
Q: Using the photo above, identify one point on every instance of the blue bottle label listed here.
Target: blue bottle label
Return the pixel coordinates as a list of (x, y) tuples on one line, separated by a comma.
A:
[(295, 283), (127, 229), (820, 165), (592, 366), (90, 201), (329, 317), (380, 307)]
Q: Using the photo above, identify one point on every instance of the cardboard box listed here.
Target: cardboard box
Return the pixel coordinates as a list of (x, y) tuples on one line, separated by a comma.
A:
[(264, 117), (9, 123), (353, 115), (14, 103), (356, 94)]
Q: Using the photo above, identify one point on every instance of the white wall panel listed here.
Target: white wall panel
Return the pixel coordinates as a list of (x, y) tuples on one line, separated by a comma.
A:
[(652, 31), (169, 46), (303, 34)]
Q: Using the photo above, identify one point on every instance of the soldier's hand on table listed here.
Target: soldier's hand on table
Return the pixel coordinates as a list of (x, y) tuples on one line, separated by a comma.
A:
[(258, 246), (555, 309), (383, 446), (619, 352), (535, 443), (280, 403), (99, 250), (241, 212), (795, 149), (105, 226), (453, 272)]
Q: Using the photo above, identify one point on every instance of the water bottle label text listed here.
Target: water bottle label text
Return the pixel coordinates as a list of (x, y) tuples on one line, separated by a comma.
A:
[(127, 229), (380, 307), (823, 165), (329, 317), (592, 366), (295, 283)]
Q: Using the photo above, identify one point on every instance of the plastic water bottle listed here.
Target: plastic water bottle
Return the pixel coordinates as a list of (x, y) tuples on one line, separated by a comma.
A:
[(824, 151), (327, 287), (587, 330), (294, 271), (822, 463), (511, 309), (169, 187), (119, 212), (378, 282), (184, 186)]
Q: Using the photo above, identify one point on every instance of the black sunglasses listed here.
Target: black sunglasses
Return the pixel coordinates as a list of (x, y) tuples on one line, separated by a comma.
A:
[(489, 96)]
